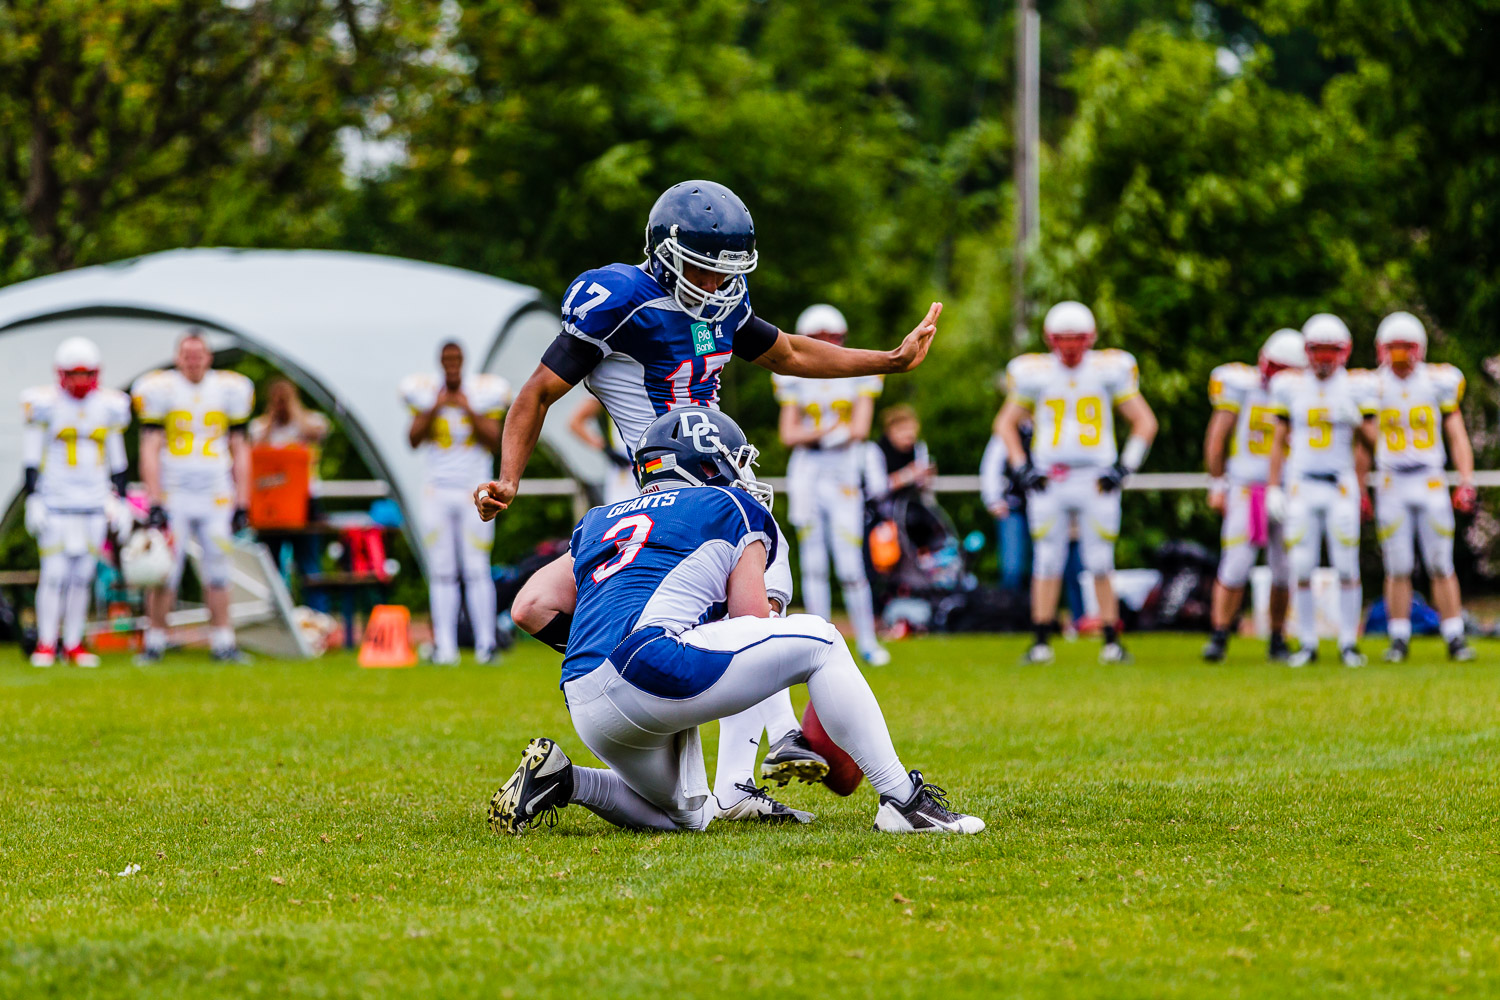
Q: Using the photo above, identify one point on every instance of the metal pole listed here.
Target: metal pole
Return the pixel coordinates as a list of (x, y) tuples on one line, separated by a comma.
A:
[(1027, 168)]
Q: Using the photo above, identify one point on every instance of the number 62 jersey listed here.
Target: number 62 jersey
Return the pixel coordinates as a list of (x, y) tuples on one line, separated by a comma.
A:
[(1073, 409), (196, 418)]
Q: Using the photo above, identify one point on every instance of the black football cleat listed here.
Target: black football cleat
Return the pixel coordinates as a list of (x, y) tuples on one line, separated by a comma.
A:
[(541, 785), (1398, 651), (759, 806), (793, 757), (1459, 651), (926, 811), (1277, 651), (1216, 649)]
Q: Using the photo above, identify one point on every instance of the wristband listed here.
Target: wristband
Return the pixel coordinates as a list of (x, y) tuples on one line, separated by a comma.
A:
[(1135, 453)]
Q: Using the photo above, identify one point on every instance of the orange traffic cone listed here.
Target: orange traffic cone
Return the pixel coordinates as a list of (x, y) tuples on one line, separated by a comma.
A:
[(386, 643)]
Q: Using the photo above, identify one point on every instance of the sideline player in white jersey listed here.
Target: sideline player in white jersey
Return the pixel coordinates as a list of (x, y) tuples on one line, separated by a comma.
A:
[(1075, 470), (455, 428), (1319, 458), (195, 461), (672, 630), (1411, 491), (73, 458), (826, 422), (1243, 420)]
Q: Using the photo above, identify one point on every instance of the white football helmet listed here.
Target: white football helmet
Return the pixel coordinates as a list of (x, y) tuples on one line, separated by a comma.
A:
[(1285, 348), (1401, 328), (146, 560), (1073, 321), (76, 354), (821, 318), (1326, 328)]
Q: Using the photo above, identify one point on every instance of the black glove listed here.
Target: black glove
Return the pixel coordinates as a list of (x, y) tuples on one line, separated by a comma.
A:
[(156, 517), (1028, 479), (240, 521), (1112, 478)]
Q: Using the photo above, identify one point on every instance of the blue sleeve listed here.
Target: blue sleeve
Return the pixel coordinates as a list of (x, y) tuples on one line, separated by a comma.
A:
[(597, 302)]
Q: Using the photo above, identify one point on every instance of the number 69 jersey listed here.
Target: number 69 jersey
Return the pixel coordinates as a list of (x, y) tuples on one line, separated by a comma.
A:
[(1411, 416), (1072, 409), (1324, 415), (196, 419), (1238, 388), (80, 444)]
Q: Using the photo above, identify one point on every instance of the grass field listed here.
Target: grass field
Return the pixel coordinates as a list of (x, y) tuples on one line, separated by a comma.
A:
[(1163, 829)]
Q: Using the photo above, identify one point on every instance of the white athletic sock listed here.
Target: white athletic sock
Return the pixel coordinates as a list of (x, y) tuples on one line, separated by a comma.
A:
[(605, 794), (1351, 603), (739, 742), (222, 639), (75, 612), (1452, 628), (49, 607), (777, 716), (479, 592), (861, 613), (156, 639), (1400, 629), (442, 598), (817, 595), (1307, 617), (852, 717)]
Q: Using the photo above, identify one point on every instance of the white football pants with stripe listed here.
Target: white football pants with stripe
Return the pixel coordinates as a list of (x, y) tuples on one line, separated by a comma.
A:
[(828, 511), (70, 545), (457, 544), (1409, 505), (1051, 512), (1316, 509)]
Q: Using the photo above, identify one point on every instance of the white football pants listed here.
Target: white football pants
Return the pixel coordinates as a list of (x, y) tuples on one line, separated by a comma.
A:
[(1051, 512), (70, 545), (1316, 508), (1412, 504), (457, 544), (1237, 552), (649, 740), (827, 507), (205, 518)]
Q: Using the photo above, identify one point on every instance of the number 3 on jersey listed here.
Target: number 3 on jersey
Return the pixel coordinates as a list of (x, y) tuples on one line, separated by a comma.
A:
[(629, 547)]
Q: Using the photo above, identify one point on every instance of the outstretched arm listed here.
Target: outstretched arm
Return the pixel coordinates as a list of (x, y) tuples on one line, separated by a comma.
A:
[(523, 425), (794, 355)]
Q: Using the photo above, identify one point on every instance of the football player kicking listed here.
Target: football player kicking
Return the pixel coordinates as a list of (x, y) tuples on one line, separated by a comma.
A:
[(73, 455), (195, 461), (1075, 471), (825, 422), (455, 428), (648, 338), (1411, 496), (672, 630), (1243, 428), (1319, 458)]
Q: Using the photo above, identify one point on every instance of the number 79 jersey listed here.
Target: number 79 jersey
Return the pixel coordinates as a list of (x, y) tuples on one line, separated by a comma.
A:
[(1324, 415), (1238, 388), (1073, 409), (196, 419)]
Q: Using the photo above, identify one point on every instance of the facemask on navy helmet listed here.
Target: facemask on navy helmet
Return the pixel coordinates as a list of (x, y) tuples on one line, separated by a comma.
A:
[(706, 225), (701, 447)]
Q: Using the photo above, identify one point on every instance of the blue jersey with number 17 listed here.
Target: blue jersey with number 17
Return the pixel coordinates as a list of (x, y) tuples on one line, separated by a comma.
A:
[(661, 559)]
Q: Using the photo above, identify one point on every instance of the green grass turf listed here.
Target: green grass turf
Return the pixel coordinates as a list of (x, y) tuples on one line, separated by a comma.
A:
[(1162, 829)]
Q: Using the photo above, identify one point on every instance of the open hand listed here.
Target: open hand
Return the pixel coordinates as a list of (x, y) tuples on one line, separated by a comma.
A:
[(914, 348)]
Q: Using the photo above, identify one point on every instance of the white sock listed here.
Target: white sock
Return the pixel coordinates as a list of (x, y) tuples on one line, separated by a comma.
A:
[(49, 607), (442, 598), (739, 742), (1351, 604), (605, 794), (75, 612), (861, 613), (479, 592), (852, 717), (1452, 628), (1400, 629), (1307, 617), (156, 639), (222, 639), (817, 595), (777, 716)]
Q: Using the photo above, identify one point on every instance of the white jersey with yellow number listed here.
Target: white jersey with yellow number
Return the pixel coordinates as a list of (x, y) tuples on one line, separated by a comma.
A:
[(451, 455), (81, 444), (196, 418), (825, 404), (1238, 388), (1324, 415), (1411, 414), (1073, 409)]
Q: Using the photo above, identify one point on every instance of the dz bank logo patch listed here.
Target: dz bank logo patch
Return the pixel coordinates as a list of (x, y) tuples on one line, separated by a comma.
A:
[(703, 339)]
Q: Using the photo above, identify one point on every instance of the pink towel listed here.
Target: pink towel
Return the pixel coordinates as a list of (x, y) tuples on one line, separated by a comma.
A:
[(1258, 532)]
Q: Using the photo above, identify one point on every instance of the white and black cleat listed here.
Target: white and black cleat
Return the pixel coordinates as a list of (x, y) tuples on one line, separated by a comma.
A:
[(1304, 657), (1350, 656), (1039, 654), (1398, 652), (926, 811), (793, 757), (1277, 651), (540, 785), (1114, 653), (1215, 650), (1459, 651), (148, 657), (231, 655), (759, 806)]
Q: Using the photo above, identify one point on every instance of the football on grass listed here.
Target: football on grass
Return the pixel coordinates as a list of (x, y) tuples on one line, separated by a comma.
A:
[(843, 774)]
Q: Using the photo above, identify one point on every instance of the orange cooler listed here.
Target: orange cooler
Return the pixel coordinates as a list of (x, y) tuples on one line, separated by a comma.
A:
[(279, 484)]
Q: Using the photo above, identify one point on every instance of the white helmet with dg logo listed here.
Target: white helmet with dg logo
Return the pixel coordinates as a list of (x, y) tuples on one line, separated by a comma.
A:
[(701, 447)]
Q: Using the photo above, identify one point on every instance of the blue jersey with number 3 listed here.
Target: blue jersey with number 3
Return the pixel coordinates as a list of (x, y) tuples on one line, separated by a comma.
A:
[(653, 355), (661, 559)]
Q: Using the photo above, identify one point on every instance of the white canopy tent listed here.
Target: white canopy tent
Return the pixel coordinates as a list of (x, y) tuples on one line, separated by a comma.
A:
[(346, 327)]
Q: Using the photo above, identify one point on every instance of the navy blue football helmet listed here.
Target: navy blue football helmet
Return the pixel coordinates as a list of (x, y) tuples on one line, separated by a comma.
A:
[(700, 446), (704, 224)]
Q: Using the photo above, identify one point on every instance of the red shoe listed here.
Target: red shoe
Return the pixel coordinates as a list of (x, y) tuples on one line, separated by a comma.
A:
[(80, 657), (43, 656)]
